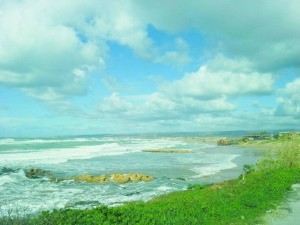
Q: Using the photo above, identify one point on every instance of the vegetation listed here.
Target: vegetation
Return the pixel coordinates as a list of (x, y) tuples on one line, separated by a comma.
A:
[(241, 201)]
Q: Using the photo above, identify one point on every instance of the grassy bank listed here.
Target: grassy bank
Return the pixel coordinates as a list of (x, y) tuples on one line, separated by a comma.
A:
[(240, 201)]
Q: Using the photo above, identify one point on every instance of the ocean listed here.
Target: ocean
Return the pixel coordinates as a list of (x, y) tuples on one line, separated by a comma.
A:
[(67, 157)]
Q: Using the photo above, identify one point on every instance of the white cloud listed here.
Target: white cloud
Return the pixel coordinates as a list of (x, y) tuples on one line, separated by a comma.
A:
[(174, 58), (49, 48), (265, 32), (114, 104), (42, 55), (208, 90), (116, 21), (178, 56), (222, 77), (46, 46), (289, 100)]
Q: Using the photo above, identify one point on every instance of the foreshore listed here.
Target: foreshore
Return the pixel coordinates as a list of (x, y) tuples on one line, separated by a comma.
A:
[(243, 200)]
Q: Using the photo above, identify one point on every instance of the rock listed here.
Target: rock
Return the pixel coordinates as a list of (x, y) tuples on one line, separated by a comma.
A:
[(6, 170), (227, 142), (124, 178), (146, 178), (55, 179), (90, 178), (34, 173), (117, 178), (120, 178), (167, 151)]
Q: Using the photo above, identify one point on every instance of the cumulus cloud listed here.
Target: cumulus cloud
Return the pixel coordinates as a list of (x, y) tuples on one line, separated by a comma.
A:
[(266, 32), (178, 56), (289, 100), (223, 77), (174, 58), (207, 90), (41, 55), (47, 49), (115, 104)]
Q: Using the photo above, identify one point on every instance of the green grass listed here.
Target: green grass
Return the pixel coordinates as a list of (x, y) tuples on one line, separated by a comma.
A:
[(231, 202), (240, 201)]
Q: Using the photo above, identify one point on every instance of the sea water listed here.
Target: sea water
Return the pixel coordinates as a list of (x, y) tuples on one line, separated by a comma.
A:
[(67, 157)]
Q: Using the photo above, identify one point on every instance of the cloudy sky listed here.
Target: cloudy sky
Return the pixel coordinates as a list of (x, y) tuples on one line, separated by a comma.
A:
[(90, 66)]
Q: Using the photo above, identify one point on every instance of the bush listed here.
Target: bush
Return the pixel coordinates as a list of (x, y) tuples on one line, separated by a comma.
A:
[(284, 155), (248, 168), (196, 186)]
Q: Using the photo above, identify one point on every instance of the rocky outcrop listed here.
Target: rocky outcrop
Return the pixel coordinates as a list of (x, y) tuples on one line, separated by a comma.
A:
[(34, 173), (90, 178), (225, 141), (117, 178), (168, 151), (124, 178)]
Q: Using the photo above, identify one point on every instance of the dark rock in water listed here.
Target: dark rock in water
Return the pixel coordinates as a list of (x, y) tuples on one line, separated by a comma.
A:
[(82, 203), (6, 170), (132, 193), (34, 173), (56, 180), (167, 151)]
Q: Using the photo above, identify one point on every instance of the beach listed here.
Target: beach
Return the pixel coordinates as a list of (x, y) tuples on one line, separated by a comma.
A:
[(198, 160)]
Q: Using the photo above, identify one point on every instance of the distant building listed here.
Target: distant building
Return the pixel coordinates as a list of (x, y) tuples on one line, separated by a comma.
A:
[(225, 141), (287, 135), (256, 137)]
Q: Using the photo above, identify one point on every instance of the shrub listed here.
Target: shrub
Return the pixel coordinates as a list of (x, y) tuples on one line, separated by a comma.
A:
[(196, 186), (286, 154)]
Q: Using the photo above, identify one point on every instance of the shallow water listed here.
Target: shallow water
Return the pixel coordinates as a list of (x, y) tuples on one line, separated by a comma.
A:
[(67, 157)]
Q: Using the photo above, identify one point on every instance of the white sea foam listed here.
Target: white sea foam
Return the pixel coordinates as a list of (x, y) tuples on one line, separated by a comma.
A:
[(163, 188), (12, 177), (153, 144), (215, 167), (6, 141), (6, 179), (56, 156), (10, 141)]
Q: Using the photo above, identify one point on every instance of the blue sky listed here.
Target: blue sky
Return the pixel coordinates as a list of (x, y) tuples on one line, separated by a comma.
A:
[(90, 67)]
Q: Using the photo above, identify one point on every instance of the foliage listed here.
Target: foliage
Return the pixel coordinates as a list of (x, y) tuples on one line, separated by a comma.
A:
[(14, 216), (230, 202), (248, 168), (285, 154), (196, 186)]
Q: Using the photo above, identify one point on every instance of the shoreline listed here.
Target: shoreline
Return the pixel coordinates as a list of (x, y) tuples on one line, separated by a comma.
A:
[(226, 186), (286, 212)]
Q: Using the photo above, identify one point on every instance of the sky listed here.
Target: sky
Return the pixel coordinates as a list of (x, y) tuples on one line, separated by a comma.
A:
[(74, 67)]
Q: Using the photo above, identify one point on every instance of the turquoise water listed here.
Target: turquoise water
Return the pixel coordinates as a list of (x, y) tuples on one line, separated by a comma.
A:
[(73, 156)]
